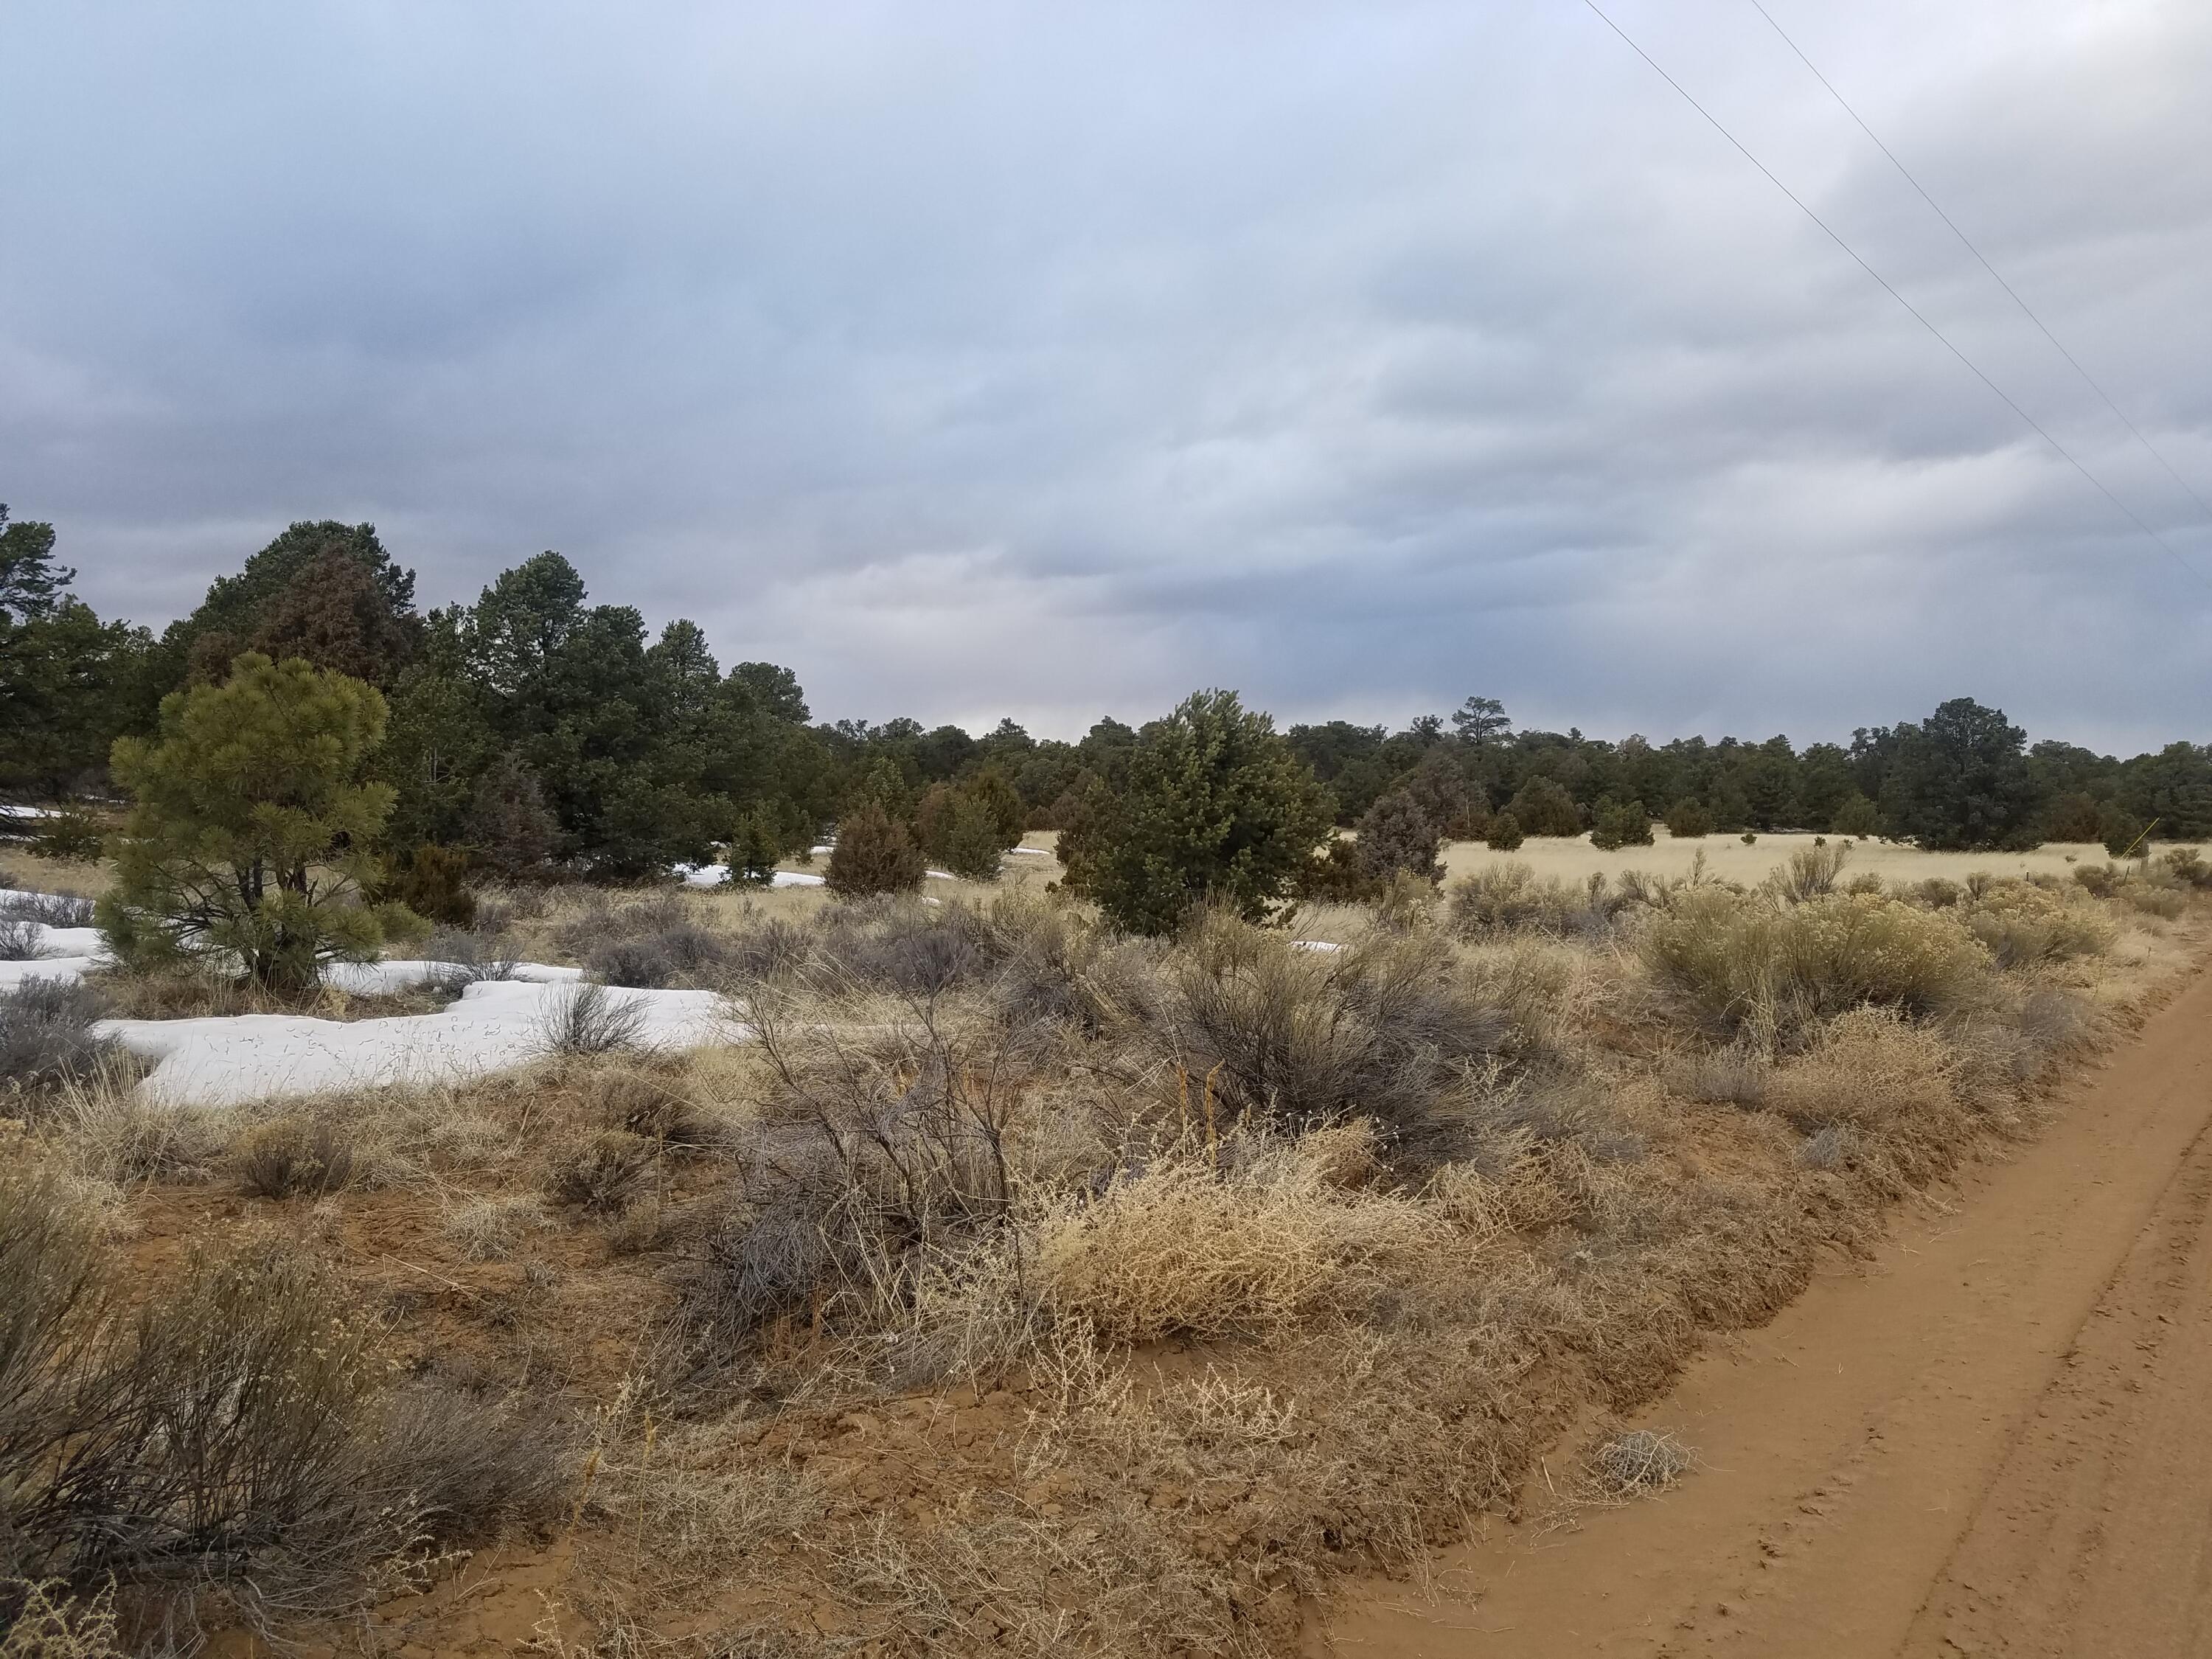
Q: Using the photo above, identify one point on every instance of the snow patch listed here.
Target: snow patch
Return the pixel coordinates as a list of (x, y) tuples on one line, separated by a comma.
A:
[(63, 953), (495, 1025), (718, 875)]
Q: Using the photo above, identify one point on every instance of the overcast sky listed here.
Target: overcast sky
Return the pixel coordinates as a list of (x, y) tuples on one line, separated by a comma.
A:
[(979, 358)]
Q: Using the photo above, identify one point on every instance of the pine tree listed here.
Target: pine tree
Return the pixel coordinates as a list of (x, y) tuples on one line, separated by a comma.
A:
[(754, 849), (249, 835), (509, 824)]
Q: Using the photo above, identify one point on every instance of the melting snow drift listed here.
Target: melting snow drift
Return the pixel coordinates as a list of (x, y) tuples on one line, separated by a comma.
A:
[(496, 1025)]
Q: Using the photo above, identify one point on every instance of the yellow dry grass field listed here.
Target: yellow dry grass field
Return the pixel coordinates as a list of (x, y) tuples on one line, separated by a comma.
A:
[(1727, 857)]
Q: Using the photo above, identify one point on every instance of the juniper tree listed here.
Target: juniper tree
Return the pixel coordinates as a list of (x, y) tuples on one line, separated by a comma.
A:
[(1216, 808)]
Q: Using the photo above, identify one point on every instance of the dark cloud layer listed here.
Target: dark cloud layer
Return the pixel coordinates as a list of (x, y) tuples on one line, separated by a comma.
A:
[(981, 357)]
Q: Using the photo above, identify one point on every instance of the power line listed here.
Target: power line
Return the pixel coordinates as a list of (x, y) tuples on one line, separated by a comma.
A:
[(1918, 315), (1967, 242)]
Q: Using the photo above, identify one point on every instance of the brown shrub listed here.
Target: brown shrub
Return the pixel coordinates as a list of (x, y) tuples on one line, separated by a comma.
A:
[(295, 1157), (229, 1432), (1388, 1027), (598, 1175)]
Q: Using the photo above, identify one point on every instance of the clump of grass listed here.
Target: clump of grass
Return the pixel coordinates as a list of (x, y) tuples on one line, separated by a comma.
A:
[(1509, 898), (490, 1229), (1748, 962), (1811, 873), (474, 955), (1254, 1238), (598, 1175), (295, 1157), (1731, 1077), (1869, 1067), (587, 1019)]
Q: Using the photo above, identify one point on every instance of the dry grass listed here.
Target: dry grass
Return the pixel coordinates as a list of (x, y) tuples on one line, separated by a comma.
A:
[(948, 1320), (1253, 1238), (26, 872), (1573, 861)]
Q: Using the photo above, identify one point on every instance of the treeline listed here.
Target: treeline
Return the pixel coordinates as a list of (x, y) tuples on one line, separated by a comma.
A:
[(535, 728)]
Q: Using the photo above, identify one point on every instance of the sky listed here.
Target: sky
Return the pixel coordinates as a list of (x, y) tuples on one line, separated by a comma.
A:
[(975, 359)]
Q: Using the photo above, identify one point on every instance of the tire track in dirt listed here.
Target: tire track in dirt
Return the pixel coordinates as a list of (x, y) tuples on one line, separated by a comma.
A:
[(1991, 1441)]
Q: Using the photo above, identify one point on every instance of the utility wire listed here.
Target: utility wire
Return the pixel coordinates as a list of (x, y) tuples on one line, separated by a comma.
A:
[(1918, 315), (1967, 242)]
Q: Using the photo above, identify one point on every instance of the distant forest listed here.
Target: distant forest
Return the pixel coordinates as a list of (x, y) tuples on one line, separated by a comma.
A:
[(637, 752)]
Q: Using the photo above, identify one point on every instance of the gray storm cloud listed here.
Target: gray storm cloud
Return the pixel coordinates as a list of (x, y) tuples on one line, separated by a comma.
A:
[(981, 358)]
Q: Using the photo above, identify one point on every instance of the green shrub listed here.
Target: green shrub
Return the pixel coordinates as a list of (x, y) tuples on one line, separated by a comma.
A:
[(1397, 836), (1857, 816), (510, 825), (431, 885), (966, 826), (1938, 892), (2022, 924), (1616, 824), (1335, 877), (1389, 1028), (974, 837), (2102, 880), (70, 835), (874, 853), (2186, 864), (2075, 818), (1503, 834), (1746, 961), (1689, 820), (2123, 833), (1509, 898), (1543, 808)]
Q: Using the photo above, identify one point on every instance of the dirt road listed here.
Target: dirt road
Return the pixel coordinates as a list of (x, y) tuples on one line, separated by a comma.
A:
[(1996, 1440)]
